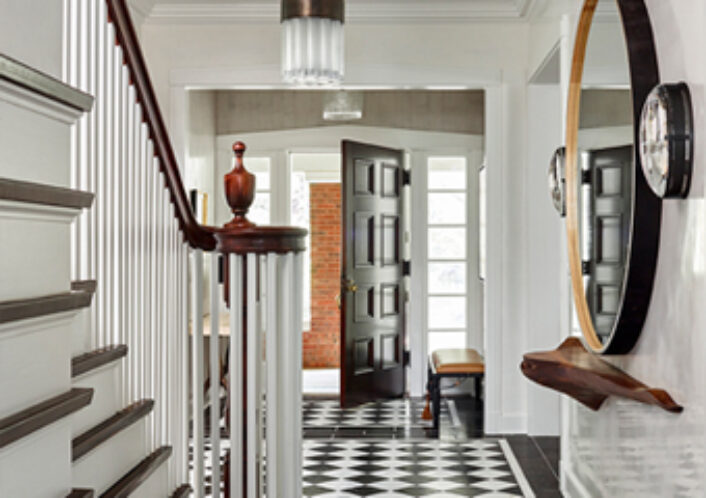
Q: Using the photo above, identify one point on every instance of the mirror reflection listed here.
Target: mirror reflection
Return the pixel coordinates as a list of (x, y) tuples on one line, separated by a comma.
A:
[(605, 148)]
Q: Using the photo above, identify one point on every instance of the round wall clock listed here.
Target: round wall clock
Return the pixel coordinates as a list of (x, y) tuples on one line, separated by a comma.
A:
[(666, 140)]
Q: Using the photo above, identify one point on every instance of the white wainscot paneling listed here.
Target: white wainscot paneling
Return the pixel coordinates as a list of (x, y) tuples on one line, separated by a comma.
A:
[(35, 143), (34, 361), (37, 466), (35, 251)]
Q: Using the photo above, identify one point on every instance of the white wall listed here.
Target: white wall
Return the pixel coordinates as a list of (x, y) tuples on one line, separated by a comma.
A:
[(628, 449), (544, 230), (199, 167), (31, 31)]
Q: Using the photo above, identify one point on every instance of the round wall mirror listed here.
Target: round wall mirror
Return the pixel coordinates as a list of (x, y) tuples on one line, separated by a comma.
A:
[(613, 218)]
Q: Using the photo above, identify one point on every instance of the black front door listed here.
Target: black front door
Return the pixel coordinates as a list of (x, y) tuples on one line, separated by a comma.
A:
[(372, 311)]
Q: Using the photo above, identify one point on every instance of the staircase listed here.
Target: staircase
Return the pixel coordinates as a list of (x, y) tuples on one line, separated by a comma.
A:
[(64, 430), (102, 284)]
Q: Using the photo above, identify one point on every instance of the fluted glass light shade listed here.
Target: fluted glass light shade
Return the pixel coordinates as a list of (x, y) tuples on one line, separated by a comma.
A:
[(312, 42)]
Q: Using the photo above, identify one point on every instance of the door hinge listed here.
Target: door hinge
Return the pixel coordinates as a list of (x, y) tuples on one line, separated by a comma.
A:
[(586, 267), (406, 177), (406, 268), (406, 358)]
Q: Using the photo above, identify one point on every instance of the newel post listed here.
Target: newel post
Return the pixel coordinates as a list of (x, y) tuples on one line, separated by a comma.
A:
[(239, 189), (263, 286)]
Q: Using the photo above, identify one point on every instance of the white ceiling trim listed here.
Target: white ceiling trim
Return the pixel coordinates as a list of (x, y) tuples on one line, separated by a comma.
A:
[(363, 11)]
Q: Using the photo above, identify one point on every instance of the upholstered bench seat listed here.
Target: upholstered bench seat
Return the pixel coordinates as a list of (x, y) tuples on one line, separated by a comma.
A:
[(451, 363), (457, 361)]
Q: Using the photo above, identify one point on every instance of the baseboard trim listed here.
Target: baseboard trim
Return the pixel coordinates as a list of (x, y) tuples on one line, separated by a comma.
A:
[(498, 423), (571, 485)]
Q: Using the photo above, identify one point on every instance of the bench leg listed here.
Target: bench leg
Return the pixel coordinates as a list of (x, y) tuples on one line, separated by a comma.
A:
[(478, 387), (435, 400)]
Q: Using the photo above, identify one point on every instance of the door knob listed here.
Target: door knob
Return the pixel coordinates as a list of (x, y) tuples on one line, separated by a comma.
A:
[(350, 285)]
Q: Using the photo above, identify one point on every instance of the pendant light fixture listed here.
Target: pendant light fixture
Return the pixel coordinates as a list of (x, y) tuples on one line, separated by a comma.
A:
[(312, 42)]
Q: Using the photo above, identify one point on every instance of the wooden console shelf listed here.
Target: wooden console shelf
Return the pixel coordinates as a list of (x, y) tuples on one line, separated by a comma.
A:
[(573, 370)]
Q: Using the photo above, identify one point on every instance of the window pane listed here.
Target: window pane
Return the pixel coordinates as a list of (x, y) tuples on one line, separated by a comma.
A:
[(260, 167), (259, 212), (447, 312), (447, 173), (446, 340), (447, 278), (447, 208), (447, 243)]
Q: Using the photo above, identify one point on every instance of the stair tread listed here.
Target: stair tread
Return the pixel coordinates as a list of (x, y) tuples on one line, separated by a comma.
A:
[(100, 433), (33, 418), (138, 474), (41, 83), (21, 309), (84, 285), (97, 358), (182, 491), (47, 195), (80, 493)]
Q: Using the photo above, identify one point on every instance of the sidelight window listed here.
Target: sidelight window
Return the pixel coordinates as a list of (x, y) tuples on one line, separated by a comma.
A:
[(447, 249)]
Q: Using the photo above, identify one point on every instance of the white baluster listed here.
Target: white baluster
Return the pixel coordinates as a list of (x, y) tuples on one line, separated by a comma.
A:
[(253, 369), (288, 474), (215, 374), (184, 336), (296, 352), (236, 376), (197, 371), (273, 407)]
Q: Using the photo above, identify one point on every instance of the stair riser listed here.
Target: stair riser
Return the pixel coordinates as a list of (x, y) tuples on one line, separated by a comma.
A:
[(102, 467), (27, 268), (28, 374), (105, 382), (35, 142), (36, 466), (80, 332), (156, 485)]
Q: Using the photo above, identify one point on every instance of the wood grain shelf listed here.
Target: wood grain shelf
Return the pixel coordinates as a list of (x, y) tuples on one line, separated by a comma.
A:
[(573, 370)]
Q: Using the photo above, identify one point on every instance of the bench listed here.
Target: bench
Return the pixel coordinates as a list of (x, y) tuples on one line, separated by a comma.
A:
[(455, 363)]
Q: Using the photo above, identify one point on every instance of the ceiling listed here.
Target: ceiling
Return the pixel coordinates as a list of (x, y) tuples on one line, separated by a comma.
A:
[(199, 11)]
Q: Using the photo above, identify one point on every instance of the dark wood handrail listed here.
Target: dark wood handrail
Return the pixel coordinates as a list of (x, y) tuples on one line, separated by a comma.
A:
[(238, 236), (197, 236)]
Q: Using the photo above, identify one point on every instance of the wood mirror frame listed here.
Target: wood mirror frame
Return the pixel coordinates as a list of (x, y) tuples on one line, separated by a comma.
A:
[(643, 241)]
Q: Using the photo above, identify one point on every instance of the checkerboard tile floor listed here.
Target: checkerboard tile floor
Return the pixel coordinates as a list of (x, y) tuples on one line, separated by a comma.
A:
[(400, 468), (385, 413), (403, 468), (394, 468)]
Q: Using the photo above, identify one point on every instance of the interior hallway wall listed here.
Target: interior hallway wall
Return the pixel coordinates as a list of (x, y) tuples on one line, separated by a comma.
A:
[(545, 230), (629, 449)]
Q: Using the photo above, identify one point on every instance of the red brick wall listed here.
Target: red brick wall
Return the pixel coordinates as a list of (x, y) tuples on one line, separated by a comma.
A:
[(321, 343)]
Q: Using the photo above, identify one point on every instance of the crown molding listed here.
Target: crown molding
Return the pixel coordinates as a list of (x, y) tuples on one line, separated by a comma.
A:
[(359, 11)]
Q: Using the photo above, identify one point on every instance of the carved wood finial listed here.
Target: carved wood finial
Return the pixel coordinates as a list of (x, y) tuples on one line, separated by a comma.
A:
[(240, 189)]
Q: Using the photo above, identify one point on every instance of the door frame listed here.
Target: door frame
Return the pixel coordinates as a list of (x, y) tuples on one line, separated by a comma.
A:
[(501, 90)]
